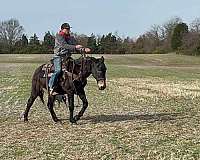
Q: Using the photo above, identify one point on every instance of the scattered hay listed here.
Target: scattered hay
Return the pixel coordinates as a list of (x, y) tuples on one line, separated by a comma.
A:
[(157, 87)]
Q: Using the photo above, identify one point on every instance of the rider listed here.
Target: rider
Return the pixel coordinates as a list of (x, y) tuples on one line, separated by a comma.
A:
[(64, 46)]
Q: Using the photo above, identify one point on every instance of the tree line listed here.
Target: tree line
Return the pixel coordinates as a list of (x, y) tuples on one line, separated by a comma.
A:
[(172, 36)]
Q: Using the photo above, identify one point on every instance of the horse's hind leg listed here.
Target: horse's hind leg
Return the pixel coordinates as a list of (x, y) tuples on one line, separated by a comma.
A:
[(50, 104), (29, 104)]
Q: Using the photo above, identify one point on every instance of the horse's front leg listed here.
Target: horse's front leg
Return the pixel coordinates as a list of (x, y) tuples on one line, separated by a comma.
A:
[(85, 105), (71, 108), (50, 103)]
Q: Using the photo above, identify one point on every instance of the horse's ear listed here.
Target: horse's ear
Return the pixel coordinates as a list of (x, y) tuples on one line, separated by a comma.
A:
[(102, 58)]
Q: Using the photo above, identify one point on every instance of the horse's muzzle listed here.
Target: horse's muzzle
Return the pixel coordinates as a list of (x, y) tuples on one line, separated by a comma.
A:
[(101, 84)]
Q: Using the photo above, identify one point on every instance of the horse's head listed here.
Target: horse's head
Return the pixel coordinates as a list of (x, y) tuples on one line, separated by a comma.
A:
[(99, 72)]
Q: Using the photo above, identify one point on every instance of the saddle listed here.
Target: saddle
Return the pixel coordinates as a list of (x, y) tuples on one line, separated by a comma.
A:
[(49, 69), (68, 67)]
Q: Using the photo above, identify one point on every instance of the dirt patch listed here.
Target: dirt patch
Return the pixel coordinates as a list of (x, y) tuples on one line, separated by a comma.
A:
[(162, 67), (157, 87), (8, 88), (8, 65), (25, 57)]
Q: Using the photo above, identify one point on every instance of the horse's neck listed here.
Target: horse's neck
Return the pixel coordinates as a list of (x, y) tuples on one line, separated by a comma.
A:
[(84, 70)]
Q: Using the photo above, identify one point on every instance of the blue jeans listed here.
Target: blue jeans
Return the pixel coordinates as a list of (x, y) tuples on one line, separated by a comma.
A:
[(54, 78)]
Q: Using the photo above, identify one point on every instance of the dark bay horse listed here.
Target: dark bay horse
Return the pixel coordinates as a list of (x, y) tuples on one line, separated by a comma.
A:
[(68, 85)]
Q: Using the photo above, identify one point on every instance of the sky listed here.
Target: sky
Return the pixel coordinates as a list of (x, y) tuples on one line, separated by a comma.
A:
[(126, 17)]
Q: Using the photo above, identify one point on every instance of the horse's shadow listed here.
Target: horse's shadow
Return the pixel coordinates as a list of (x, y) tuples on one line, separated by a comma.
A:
[(150, 118)]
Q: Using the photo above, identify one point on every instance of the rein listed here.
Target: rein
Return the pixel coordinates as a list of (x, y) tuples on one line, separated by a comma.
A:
[(80, 75)]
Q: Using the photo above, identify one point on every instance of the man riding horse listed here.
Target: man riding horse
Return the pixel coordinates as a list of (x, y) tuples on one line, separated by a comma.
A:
[(73, 79), (65, 44)]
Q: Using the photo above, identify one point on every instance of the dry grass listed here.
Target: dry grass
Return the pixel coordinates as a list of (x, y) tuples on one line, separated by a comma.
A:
[(134, 118), (157, 87)]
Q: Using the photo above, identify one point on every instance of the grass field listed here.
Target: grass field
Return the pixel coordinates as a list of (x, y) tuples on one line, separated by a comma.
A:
[(149, 110)]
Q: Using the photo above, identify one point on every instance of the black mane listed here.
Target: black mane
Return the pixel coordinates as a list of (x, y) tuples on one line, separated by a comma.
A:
[(79, 60)]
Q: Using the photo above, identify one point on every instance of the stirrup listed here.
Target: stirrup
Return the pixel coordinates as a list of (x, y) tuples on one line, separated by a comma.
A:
[(50, 91)]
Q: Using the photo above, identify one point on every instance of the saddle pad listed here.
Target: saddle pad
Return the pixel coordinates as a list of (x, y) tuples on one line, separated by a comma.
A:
[(49, 75), (50, 69)]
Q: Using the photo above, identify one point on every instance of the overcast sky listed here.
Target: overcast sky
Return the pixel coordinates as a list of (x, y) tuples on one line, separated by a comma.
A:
[(127, 17)]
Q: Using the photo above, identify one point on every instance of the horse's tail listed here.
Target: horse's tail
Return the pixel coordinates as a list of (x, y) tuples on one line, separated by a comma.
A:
[(36, 90), (41, 95), (36, 85)]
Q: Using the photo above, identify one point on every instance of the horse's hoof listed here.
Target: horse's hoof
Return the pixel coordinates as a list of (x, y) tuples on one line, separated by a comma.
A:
[(56, 120), (25, 119), (76, 118), (73, 121)]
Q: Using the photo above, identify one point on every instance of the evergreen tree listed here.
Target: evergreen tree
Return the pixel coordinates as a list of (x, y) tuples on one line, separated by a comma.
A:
[(34, 40), (24, 40), (49, 40), (21, 45), (91, 43), (109, 43), (178, 34)]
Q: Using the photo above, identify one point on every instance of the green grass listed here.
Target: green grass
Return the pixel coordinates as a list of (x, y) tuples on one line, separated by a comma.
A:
[(136, 59), (157, 72), (149, 110)]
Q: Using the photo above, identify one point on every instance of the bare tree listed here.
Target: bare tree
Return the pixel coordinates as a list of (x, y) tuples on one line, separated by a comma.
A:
[(156, 34), (10, 31), (167, 31), (170, 25), (195, 25), (191, 43), (158, 38)]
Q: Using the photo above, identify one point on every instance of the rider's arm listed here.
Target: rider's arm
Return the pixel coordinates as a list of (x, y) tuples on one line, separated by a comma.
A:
[(61, 41), (73, 41)]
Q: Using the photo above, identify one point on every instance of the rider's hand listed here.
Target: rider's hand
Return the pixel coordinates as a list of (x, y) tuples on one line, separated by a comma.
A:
[(78, 46), (87, 50)]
